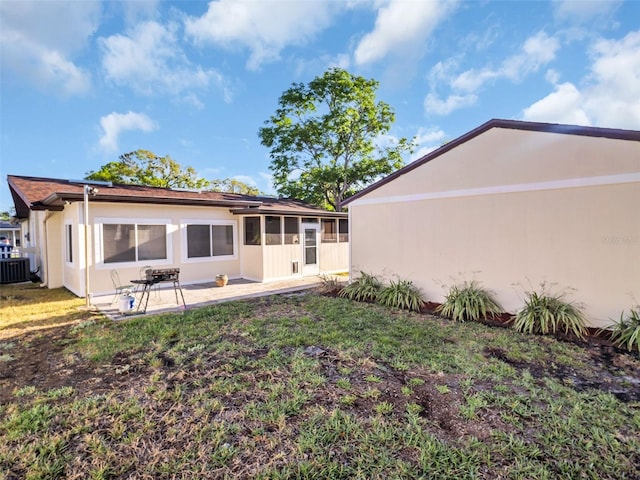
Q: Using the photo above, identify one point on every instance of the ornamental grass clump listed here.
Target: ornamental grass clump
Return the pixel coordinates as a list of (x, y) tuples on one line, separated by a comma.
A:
[(469, 302), (546, 313), (365, 288), (626, 332), (401, 294)]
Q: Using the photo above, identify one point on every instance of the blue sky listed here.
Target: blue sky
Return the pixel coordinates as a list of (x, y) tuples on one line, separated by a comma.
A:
[(85, 81)]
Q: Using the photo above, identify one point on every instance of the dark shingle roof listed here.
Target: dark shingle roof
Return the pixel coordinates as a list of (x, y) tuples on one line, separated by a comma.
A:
[(36, 193)]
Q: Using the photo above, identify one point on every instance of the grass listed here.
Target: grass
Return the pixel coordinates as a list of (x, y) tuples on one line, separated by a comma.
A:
[(26, 307), (314, 387)]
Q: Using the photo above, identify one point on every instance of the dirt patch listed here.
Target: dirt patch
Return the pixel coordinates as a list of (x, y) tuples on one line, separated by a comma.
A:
[(616, 373), (38, 360)]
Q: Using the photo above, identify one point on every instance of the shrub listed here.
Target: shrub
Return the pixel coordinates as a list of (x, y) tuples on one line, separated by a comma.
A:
[(330, 283), (401, 294), (365, 288), (548, 313), (626, 332), (469, 302)]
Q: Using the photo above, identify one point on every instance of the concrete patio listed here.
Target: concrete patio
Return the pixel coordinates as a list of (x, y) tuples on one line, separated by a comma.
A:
[(162, 297)]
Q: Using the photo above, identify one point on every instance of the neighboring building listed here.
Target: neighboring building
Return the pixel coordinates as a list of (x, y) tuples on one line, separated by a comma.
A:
[(511, 204), (9, 233), (202, 233)]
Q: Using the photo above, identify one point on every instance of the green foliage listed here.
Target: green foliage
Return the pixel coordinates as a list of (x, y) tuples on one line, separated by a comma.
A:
[(232, 185), (365, 288), (324, 139), (143, 167), (469, 302), (401, 294), (548, 313), (626, 332)]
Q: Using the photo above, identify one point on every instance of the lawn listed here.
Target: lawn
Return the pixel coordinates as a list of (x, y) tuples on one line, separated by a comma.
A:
[(305, 386)]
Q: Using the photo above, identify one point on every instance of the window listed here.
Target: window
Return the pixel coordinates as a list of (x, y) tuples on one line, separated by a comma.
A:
[(272, 230), (222, 240), (152, 242), (343, 230), (209, 241), (329, 233), (252, 231), (131, 242), (291, 232), (198, 241), (69, 243)]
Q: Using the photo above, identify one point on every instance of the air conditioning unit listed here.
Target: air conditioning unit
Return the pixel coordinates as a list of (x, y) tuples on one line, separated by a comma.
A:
[(14, 270)]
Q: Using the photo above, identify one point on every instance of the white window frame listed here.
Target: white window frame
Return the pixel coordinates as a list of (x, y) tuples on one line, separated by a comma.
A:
[(212, 258), (99, 241)]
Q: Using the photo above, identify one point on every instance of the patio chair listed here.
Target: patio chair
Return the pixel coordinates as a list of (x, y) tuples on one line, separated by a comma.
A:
[(119, 287)]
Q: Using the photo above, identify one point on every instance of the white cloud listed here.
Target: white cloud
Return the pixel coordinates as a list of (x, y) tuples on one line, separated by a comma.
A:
[(436, 106), (582, 11), (610, 96), (427, 140), (116, 123), (267, 180), (401, 24), (562, 106), (264, 27), (39, 39), (150, 60), (536, 52)]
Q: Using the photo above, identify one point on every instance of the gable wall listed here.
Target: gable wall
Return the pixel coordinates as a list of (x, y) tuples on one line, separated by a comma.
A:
[(584, 241), (513, 157)]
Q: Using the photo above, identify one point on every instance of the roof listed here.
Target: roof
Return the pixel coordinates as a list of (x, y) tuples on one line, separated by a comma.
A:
[(618, 134), (36, 193), (4, 225)]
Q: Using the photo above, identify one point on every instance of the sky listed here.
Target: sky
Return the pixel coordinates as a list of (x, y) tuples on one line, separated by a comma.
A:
[(85, 81)]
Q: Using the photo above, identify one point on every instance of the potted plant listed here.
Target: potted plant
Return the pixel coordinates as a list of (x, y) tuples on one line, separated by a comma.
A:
[(221, 280)]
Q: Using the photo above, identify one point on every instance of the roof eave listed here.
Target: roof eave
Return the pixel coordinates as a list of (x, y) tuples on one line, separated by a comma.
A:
[(281, 211)]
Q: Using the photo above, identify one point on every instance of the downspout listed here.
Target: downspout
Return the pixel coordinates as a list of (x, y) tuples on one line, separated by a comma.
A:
[(45, 283), (350, 243), (87, 295)]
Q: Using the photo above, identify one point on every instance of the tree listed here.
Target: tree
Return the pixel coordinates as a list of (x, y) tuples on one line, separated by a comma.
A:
[(232, 185), (144, 167), (327, 139)]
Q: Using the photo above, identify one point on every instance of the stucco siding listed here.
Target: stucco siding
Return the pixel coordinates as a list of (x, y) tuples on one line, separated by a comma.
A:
[(176, 219), (585, 241)]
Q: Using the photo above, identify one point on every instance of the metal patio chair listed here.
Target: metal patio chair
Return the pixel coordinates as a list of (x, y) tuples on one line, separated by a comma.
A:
[(119, 287)]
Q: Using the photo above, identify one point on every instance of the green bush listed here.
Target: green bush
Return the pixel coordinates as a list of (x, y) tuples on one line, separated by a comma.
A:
[(626, 332), (548, 313), (469, 302), (401, 294), (365, 288)]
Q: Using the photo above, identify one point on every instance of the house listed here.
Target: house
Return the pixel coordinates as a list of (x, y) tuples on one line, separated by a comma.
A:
[(203, 233), (511, 205), (9, 233)]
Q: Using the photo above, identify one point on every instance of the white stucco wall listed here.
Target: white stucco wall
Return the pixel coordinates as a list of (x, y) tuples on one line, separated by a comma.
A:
[(512, 209)]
